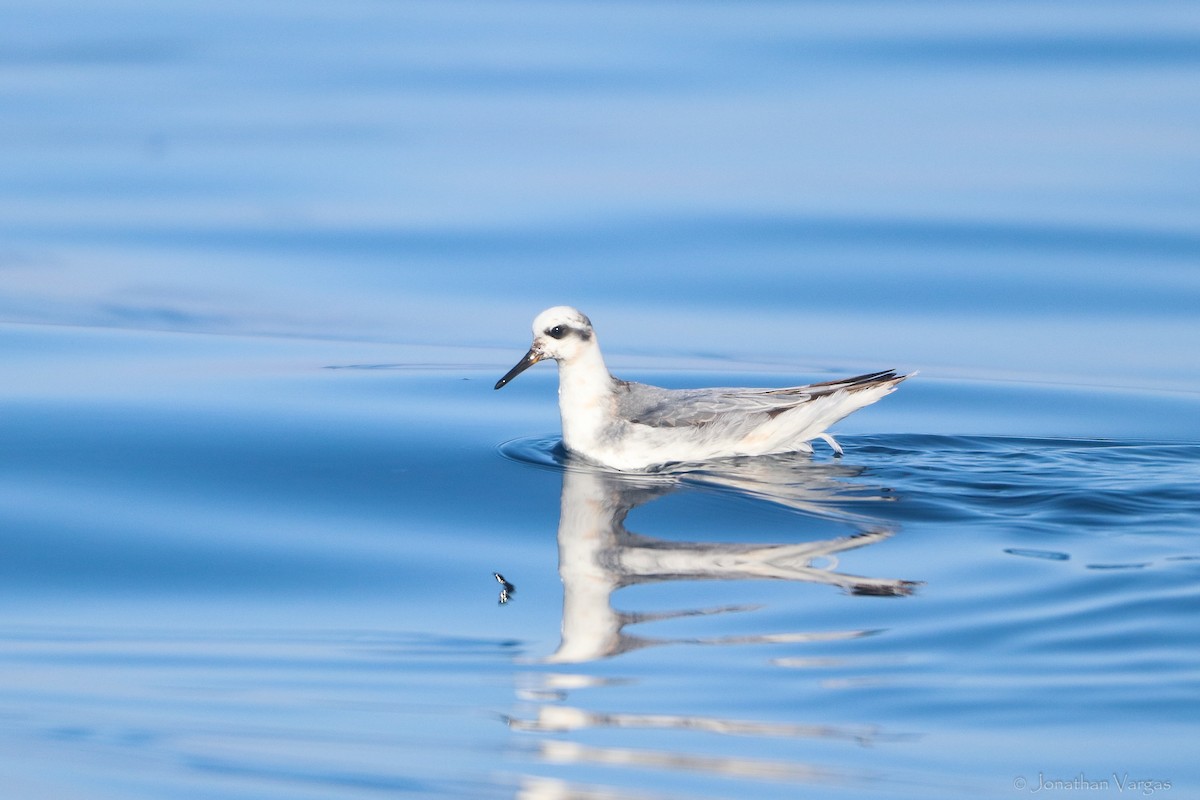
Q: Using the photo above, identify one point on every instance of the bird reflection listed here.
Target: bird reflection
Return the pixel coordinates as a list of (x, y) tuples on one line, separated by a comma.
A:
[(598, 555)]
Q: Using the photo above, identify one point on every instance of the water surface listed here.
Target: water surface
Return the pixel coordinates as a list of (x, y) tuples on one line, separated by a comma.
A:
[(261, 264), (255, 567)]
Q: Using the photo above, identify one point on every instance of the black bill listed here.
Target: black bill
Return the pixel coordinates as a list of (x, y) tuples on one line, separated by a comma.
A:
[(525, 363)]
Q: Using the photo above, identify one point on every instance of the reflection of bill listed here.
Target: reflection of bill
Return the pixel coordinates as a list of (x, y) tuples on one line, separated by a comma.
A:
[(597, 555), (507, 590)]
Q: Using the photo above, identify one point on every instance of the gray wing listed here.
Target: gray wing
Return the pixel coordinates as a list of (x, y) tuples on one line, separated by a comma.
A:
[(674, 408)]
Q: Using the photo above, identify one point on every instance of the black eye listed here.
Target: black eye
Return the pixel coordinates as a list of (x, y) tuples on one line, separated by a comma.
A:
[(558, 331)]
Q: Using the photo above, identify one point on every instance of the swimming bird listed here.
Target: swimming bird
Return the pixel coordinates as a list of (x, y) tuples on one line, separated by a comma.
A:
[(633, 426)]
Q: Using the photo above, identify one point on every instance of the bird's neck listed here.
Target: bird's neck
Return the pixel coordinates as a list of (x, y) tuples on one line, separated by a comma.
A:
[(584, 376), (585, 398)]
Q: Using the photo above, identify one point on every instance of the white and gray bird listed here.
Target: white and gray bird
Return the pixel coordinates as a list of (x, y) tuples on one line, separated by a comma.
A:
[(631, 426)]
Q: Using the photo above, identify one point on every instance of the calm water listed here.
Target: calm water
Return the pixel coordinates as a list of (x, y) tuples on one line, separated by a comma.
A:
[(260, 265)]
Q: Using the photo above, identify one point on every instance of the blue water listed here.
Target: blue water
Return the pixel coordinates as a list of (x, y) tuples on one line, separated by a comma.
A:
[(261, 264)]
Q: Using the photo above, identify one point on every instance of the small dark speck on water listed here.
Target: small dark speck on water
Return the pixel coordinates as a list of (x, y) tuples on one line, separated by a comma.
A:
[(507, 590)]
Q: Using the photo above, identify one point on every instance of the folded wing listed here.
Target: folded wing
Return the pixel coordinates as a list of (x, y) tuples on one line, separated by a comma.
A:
[(675, 408)]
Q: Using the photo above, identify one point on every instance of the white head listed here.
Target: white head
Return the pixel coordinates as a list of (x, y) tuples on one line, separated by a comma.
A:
[(561, 333)]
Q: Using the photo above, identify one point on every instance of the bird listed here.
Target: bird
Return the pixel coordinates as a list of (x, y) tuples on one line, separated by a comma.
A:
[(630, 426)]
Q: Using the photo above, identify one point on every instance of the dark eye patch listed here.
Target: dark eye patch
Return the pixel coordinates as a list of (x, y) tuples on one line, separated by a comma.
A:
[(557, 332)]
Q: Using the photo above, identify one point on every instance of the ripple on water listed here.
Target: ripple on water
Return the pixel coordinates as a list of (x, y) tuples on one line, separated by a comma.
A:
[(1050, 582)]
